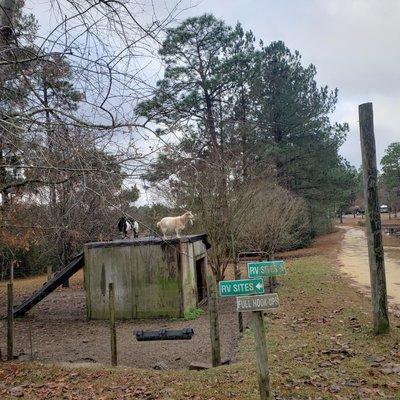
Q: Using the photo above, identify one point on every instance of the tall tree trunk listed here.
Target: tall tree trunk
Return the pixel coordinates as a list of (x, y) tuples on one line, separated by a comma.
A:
[(5, 198), (7, 11), (54, 214), (65, 223), (220, 174), (281, 174), (50, 143), (243, 134)]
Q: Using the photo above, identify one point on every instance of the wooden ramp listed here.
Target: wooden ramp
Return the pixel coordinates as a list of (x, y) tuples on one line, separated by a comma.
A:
[(59, 278)]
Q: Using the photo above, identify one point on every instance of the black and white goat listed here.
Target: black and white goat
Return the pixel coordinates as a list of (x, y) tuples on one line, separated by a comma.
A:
[(128, 225)]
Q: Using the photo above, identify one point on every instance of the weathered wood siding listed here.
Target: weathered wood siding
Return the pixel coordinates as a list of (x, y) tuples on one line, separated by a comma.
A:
[(150, 281), (189, 289)]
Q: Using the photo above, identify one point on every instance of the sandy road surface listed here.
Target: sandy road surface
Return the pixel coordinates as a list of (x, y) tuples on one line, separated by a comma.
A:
[(353, 260)]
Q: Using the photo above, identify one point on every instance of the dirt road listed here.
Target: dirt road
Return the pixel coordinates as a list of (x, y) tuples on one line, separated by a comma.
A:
[(353, 259)]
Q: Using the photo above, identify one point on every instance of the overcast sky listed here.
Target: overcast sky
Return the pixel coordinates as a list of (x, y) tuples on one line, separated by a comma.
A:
[(355, 45)]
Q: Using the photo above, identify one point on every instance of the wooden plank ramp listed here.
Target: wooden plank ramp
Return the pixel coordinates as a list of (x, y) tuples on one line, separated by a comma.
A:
[(58, 279)]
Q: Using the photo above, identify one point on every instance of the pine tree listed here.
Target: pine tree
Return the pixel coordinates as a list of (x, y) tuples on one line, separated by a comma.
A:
[(391, 175)]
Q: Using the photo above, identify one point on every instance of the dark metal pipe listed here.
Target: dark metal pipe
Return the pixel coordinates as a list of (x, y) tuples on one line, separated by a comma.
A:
[(164, 334)]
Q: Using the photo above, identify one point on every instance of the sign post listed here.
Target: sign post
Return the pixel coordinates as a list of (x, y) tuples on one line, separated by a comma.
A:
[(250, 297), (257, 305), (261, 355)]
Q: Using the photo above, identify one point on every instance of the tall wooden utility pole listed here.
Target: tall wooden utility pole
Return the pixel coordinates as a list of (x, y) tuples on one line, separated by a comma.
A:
[(373, 220)]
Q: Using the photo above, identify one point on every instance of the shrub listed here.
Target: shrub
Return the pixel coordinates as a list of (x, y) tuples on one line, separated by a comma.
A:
[(193, 313)]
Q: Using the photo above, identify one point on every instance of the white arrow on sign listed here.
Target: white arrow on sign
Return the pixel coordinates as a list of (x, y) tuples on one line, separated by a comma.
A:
[(259, 286)]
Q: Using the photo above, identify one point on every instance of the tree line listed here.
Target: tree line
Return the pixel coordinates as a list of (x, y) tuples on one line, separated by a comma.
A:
[(249, 145), (390, 178), (244, 138)]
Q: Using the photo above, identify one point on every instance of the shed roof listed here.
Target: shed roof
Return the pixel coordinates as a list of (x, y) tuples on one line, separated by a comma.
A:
[(150, 240)]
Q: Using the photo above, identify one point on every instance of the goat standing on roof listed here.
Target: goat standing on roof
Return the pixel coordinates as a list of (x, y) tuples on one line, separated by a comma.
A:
[(175, 224), (128, 225)]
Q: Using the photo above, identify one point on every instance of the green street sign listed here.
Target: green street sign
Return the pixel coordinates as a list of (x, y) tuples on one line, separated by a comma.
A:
[(265, 269), (241, 287)]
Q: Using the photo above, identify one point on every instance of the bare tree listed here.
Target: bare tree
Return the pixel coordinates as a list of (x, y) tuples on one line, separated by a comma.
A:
[(69, 137), (276, 219)]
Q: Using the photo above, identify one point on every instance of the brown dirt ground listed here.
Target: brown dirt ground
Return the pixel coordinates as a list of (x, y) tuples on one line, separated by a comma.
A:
[(61, 333)]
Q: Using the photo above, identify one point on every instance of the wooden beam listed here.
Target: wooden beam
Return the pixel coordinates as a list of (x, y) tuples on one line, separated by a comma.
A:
[(373, 220)]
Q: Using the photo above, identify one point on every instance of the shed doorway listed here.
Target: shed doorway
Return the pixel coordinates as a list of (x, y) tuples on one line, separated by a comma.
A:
[(201, 279)]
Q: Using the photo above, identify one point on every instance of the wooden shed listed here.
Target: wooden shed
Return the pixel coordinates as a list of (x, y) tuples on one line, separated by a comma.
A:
[(153, 278)]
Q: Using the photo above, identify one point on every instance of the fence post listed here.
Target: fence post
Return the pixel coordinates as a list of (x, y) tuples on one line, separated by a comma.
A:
[(30, 339), (113, 332), (373, 220), (49, 271), (214, 325), (10, 321), (261, 355)]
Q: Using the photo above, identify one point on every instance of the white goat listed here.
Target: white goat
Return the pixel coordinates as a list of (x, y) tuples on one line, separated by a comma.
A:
[(175, 224)]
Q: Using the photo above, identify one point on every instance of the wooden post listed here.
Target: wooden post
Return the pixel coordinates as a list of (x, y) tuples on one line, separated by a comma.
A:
[(261, 355), (214, 326), (180, 254), (10, 322), (12, 271), (373, 220), (30, 338), (111, 303), (270, 286), (49, 272), (238, 276)]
